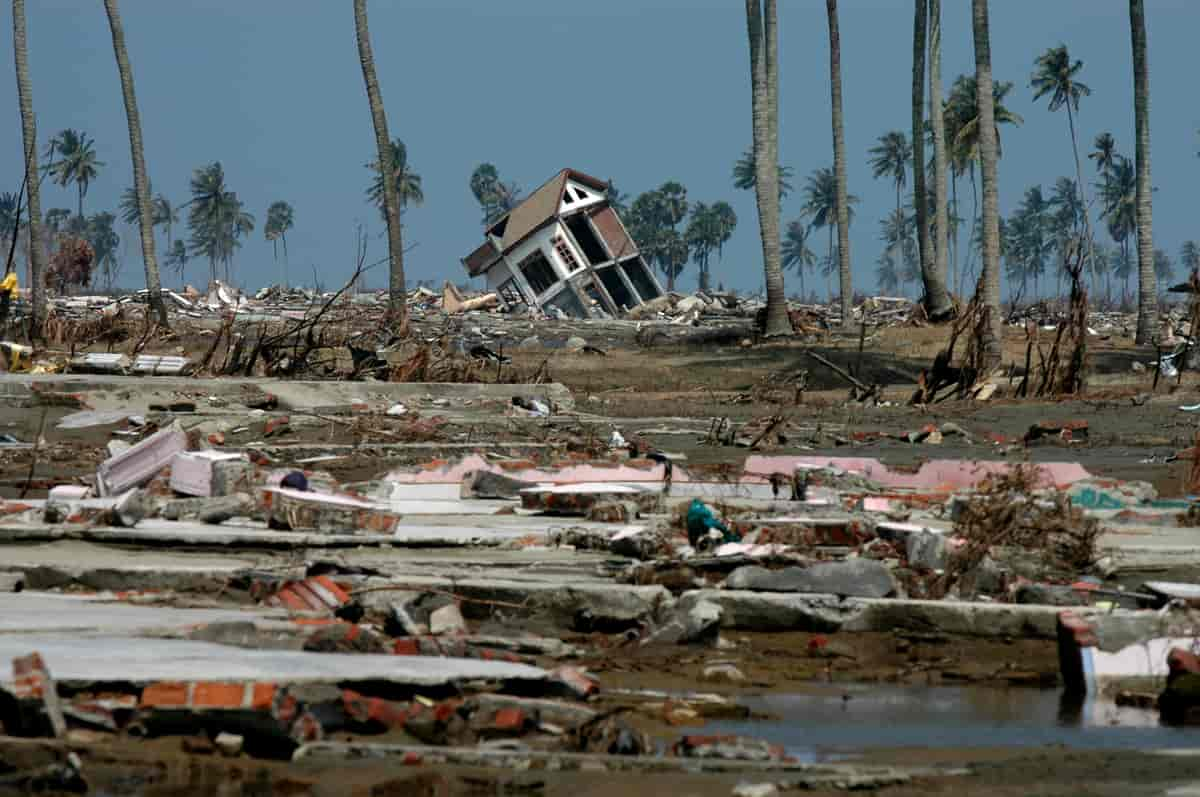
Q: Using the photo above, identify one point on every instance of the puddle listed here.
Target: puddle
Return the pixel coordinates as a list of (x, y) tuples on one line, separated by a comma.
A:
[(830, 724)]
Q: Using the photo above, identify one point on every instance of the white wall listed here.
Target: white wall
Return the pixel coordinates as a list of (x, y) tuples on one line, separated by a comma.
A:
[(594, 197)]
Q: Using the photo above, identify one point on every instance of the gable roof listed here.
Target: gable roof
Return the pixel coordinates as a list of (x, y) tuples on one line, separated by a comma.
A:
[(541, 206)]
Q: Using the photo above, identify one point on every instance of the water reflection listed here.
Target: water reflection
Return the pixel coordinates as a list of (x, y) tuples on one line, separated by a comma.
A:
[(828, 723)]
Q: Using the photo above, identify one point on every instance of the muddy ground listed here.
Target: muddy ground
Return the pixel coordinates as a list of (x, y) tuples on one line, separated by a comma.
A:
[(667, 397)]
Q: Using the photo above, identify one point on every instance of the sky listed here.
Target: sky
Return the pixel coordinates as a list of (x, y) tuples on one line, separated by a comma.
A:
[(637, 91)]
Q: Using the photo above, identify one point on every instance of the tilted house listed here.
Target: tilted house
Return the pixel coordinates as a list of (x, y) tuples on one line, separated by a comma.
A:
[(564, 247)]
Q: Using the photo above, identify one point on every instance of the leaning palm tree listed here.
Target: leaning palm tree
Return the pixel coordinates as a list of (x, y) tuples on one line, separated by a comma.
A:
[(408, 184), (29, 139), (1147, 289), (795, 252), (761, 19), (397, 300), (140, 182), (744, 178), (1058, 76), (76, 163), (839, 161), (989, 281)]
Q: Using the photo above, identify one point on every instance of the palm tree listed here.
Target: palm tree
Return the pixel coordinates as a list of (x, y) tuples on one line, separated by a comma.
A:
[(280, 219), (839, 160), (989, 282), (899, 263), (890, 158), (1057, 76), (820, 207), (962, 125), (1164, 267), (1189, 256), (764, 81), (397, 298), (1119, 208), (484, 180), (1147, 291), (618, 200), (1104, 153), (137, 153), (724, 222), (77, 161), (105, 242), (936, 300), (8, 218), (217, 218), (743, 175), (795, 252), (937, 124), (177, 257), (408, 183), (29, 138)]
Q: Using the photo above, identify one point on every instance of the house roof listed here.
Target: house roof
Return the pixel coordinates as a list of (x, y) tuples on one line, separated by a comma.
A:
[(481, 259), (541, 206)]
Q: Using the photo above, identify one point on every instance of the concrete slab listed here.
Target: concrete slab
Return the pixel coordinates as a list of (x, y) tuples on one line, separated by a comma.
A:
[(130, 659), (31, 613)]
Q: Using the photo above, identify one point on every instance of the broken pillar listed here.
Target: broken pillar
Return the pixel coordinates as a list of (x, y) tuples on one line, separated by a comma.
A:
[(141, 463)]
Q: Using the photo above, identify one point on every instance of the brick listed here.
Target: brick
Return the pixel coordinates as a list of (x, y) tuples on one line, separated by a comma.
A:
[(32, 684), (319, 593)]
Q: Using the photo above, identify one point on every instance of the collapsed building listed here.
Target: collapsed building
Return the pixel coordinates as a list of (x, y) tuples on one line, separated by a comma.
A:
[(564, 248)]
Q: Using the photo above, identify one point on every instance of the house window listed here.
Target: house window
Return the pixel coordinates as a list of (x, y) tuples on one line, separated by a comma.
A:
[(616, 288), (635, 269), (593, 251), (566, 255), (538, 272)]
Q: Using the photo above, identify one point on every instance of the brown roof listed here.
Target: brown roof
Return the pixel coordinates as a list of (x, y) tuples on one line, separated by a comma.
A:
[(481, 259), (542, 205)]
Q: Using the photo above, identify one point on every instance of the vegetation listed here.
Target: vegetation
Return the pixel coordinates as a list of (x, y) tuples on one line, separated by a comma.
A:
[(407, 183), (217, 219), (495, 197)]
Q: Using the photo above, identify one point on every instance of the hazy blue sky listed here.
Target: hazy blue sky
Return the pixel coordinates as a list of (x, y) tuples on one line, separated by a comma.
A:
[(640, 91)]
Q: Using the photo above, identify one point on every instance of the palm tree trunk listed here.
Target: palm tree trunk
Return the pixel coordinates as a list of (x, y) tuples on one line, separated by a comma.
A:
[(989, 280), (140, 183), (1147, 289), (37, 288), (80, 188), (1083, 204), (397, 299), (920, 204), (941, 254), (839, 161), (955, 234), (764, 85)]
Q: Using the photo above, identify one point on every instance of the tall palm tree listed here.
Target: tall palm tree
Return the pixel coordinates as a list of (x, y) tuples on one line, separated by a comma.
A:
[(839, 161), (920, 201), (989, 281), (941, 206), (744, 177), (140, 181), (484, 180), (725, 222), (76, 163), (890, 158), (177, 257), (1057, 75), (795, 252), (397, 298), (764, 81), (1147, 290), (37, 265), (408, 183)]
